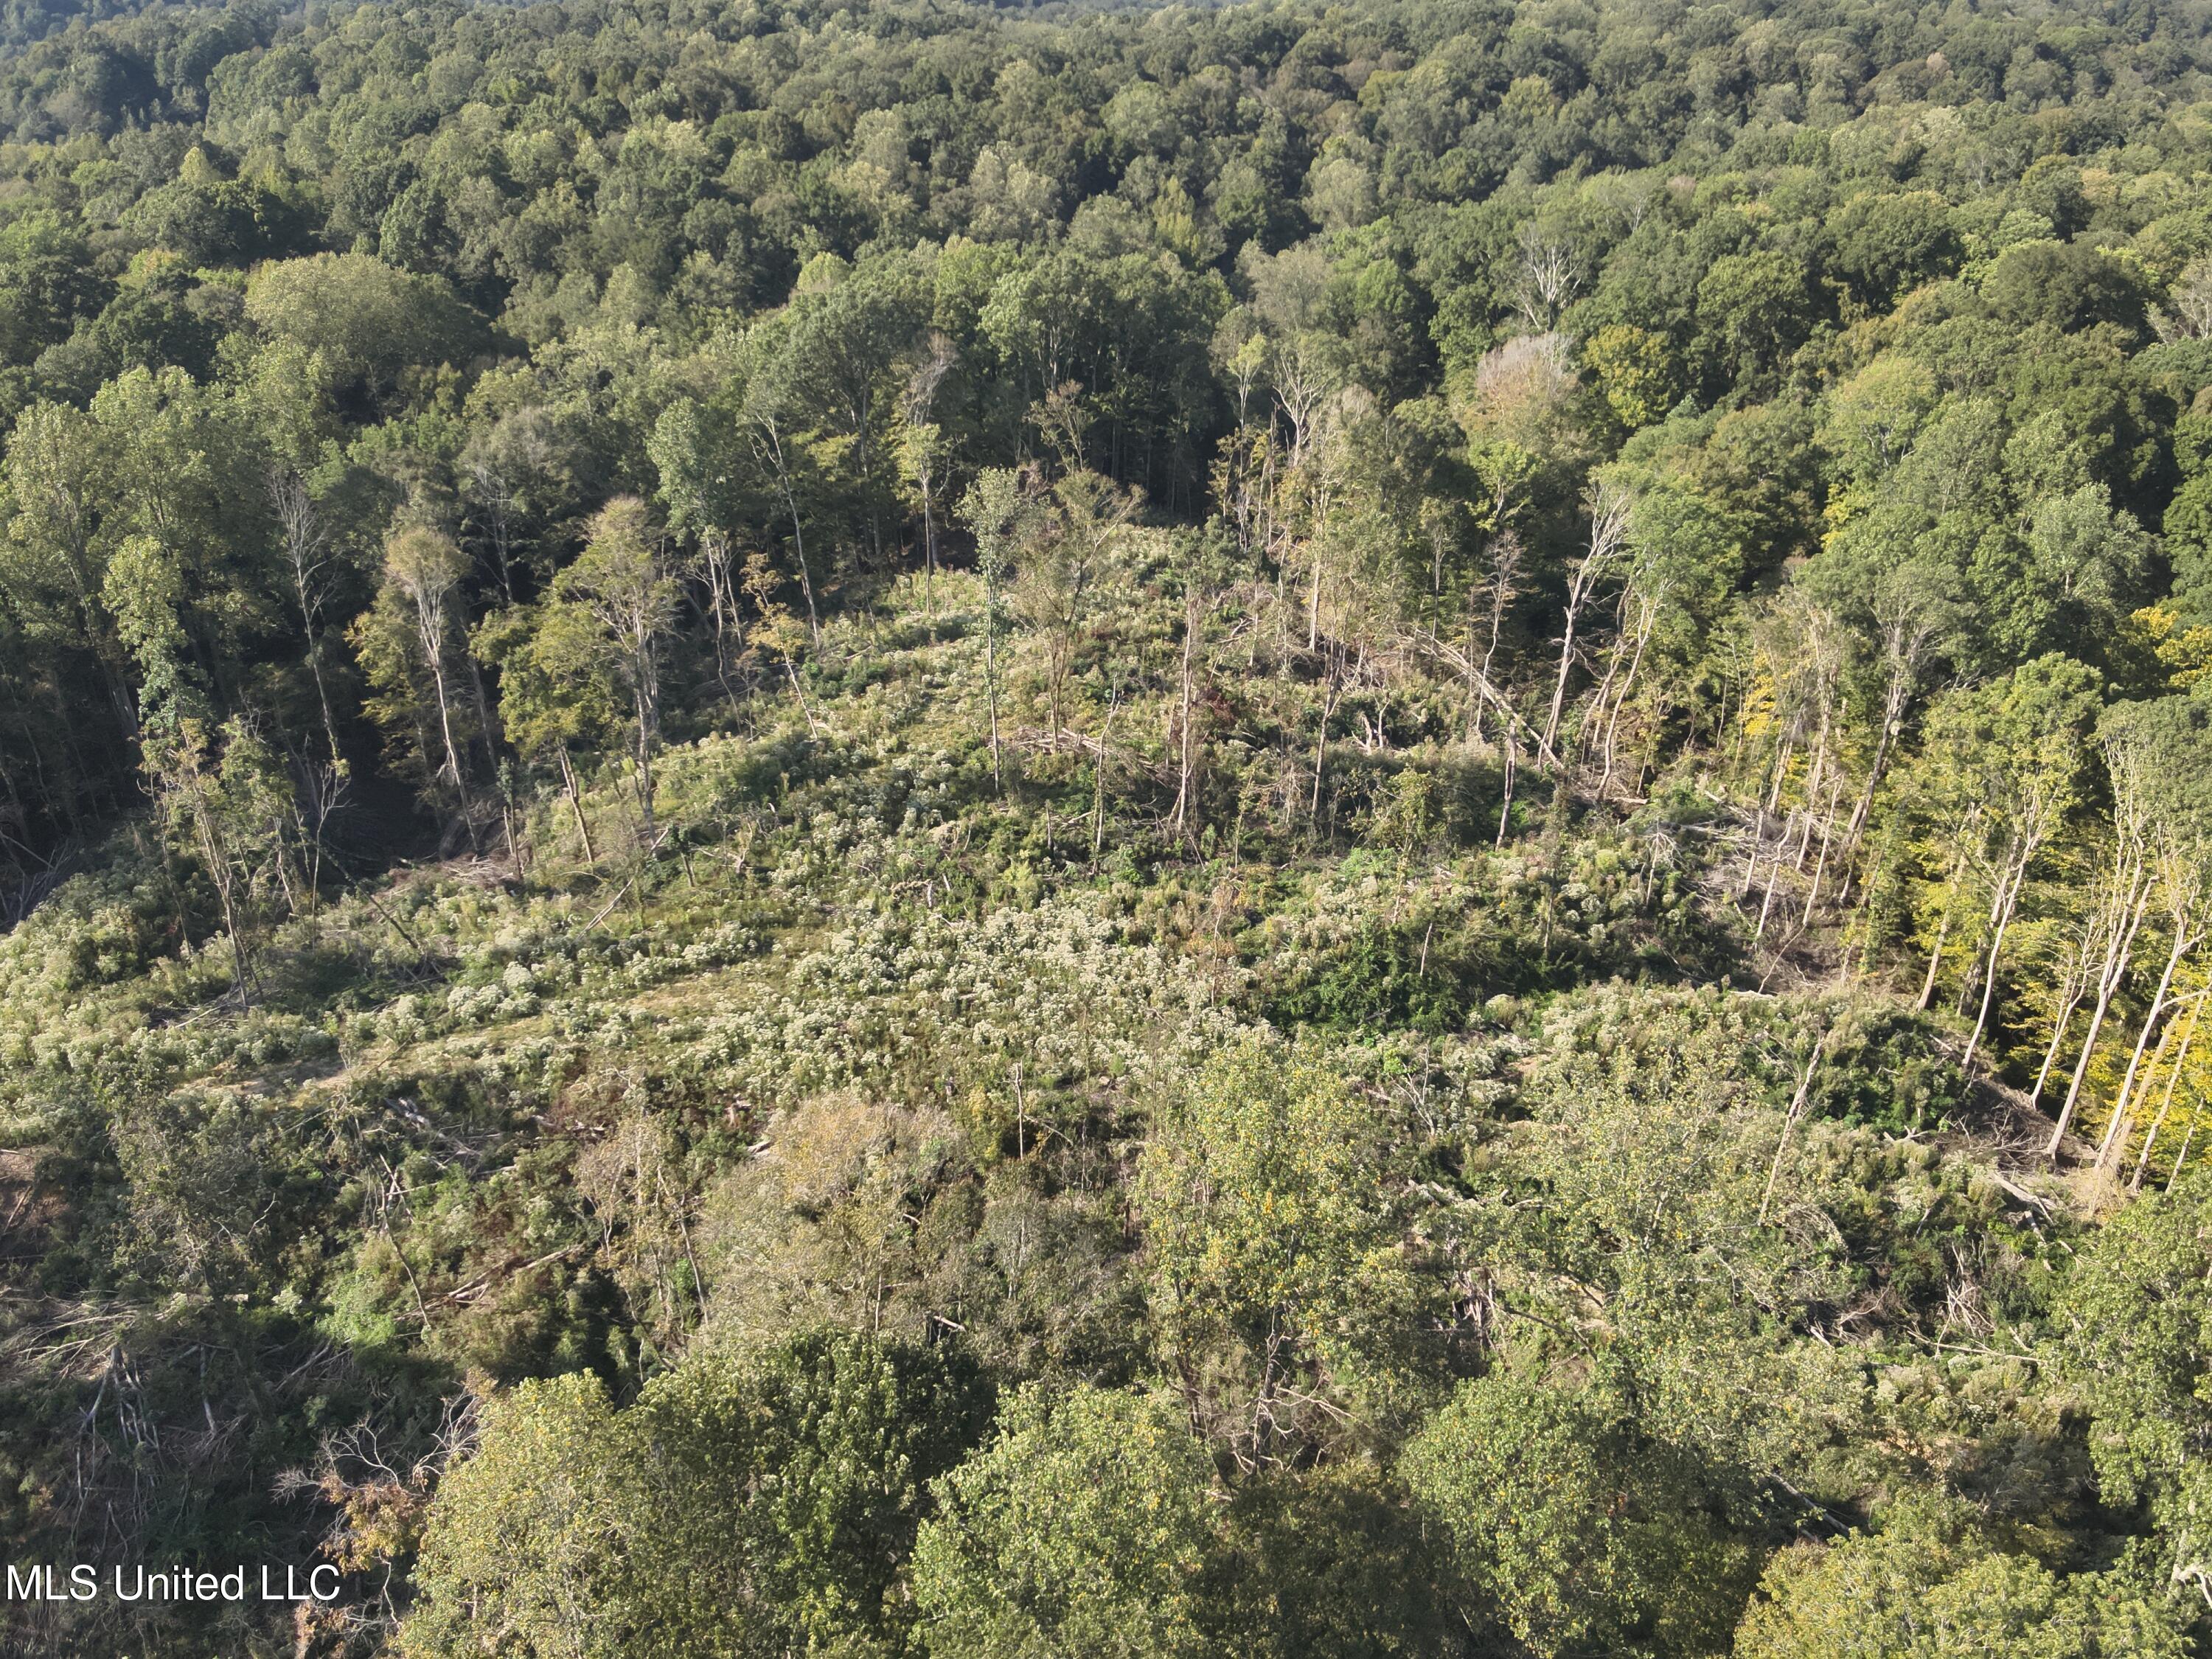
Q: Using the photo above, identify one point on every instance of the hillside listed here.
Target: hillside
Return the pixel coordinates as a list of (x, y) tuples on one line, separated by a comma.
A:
[(1255, 830)]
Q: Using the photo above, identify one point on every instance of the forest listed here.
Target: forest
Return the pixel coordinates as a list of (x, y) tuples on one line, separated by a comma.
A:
[(921, 831)]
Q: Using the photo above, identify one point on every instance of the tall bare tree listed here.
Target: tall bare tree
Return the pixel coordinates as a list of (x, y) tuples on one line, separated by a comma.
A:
[(1609, 543)]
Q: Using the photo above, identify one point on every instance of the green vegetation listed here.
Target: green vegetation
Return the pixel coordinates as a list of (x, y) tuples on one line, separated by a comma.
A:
[(1381, 830)]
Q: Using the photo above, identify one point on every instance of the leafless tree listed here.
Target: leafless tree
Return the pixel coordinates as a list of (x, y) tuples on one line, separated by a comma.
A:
[(1543, 278), (308, 563), (1609, 506)]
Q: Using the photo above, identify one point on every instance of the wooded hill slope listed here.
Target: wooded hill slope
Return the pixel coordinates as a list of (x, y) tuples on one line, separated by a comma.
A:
[(1382, 830)]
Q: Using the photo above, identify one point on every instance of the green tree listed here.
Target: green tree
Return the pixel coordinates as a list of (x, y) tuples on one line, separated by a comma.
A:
[(2067, 285), (2002, 765), (1278, 1272), (1568, 1530), (771, 409), (925, 453), (750, 1504), (849, 337), (1332, 1563), (1691, 1204), (407, 642), (1925, 1586), (621, 582), (556, 694), (1884, 244), (2132, 1340), (692, 450), (1085, 1527), (527, 1538), (1065, 571), (1753, 309), (1000, 512), (1637, 370), (369, 319), (144, 588)]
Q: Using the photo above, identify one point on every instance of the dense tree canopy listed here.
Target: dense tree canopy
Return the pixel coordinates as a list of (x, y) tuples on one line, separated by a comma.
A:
[(919, 830)]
